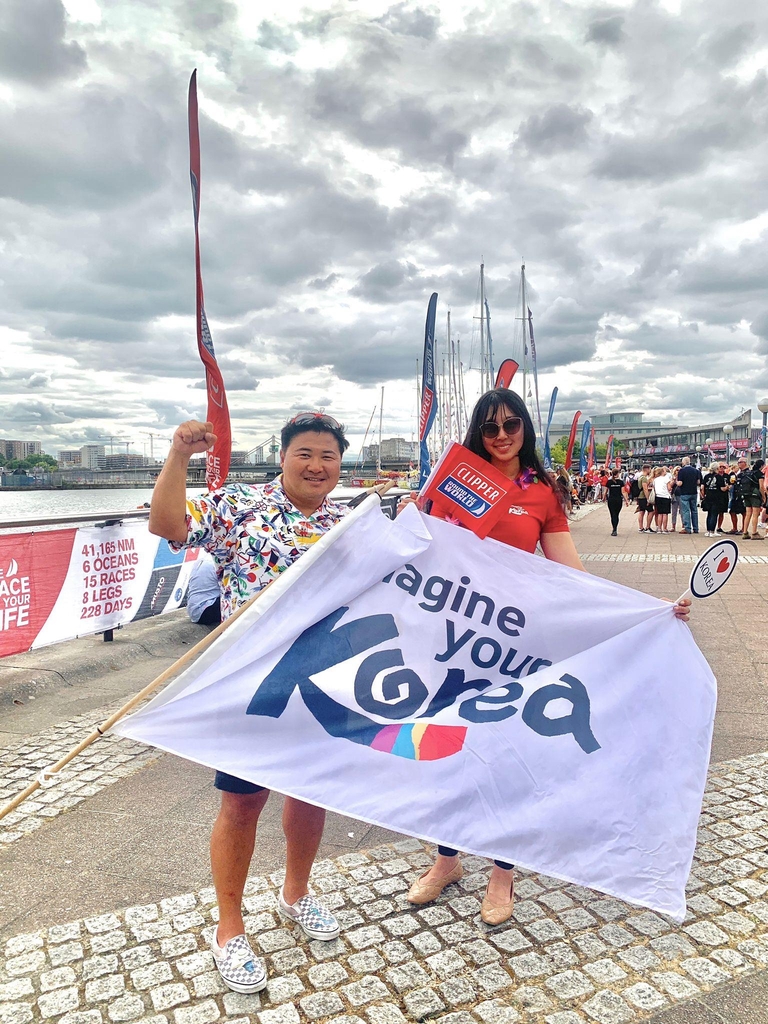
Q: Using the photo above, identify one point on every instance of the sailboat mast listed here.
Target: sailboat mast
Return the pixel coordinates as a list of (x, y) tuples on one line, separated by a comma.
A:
[(370, 421), (381, 415), (447, 392), (442, 408), (483, 355), (524, 315), (462, 399)]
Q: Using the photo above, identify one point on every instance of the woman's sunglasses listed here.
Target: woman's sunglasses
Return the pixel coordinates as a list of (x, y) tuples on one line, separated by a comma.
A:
[(491, 428)]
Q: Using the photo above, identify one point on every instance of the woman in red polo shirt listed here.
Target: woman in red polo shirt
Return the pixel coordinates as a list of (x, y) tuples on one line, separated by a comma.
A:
[(501, 432)]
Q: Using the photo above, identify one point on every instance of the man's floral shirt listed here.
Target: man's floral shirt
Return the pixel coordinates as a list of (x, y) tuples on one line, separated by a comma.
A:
[(254, 533)]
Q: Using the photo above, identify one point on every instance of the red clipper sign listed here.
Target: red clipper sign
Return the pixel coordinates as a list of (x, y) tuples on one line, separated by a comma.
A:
[(465, 487)]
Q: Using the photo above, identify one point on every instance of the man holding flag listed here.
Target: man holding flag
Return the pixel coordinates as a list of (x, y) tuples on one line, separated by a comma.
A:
[(254, 533)]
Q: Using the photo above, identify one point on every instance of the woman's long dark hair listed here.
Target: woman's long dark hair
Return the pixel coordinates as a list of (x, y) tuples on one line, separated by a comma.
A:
[(486, 408)]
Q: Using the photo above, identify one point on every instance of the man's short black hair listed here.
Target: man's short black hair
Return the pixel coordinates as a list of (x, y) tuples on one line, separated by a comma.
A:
[(317, 423)]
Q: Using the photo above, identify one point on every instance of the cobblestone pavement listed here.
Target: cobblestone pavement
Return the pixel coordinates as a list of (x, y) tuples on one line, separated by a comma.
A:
[(102, 764), (666, 557), (569, 955)]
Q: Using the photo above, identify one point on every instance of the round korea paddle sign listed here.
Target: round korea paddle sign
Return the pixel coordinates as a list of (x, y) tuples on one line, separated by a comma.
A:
[(714, 568)]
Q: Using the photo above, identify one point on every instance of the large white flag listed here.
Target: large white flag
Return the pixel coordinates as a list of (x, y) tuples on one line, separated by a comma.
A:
[(413, 676)]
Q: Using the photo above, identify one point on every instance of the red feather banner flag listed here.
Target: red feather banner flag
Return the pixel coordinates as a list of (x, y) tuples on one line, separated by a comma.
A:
[(572, 441), (507, 371), (216, 460), (609, 452)]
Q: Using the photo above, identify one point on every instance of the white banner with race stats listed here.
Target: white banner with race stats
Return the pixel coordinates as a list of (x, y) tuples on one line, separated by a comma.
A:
[(414, 676)]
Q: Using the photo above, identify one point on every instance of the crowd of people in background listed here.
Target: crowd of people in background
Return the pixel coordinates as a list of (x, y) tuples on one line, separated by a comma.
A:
[(663, 496)]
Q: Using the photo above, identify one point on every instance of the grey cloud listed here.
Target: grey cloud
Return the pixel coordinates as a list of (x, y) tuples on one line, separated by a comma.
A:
[(33, 48), (379, 282), (237, 377), (171, 413), (272, 37), (206, 15), (335, 199), (99, 161), (608, 29), (405, 19), (559, 127), (323, 283), (31, 413), (727, 45)]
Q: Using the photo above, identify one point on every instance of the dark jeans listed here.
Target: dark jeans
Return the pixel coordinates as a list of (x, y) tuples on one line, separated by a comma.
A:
[(615, 508), (447, 851), (689, 512), (712, 517)]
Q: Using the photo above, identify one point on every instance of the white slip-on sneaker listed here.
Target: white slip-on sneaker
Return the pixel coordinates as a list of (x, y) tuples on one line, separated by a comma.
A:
[(315, 919), (238, 965)]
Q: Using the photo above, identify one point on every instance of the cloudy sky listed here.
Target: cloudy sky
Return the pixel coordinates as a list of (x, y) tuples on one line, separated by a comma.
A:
[(356, 156)]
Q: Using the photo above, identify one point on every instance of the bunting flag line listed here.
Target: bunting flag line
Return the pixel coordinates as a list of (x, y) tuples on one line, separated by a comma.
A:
[(428, 390), (217, 459), (586, 430), (535, 369), (547, 453), (571, 441), (410, 675)]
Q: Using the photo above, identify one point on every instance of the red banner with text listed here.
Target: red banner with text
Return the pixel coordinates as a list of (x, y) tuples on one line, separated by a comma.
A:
[(63, 584)]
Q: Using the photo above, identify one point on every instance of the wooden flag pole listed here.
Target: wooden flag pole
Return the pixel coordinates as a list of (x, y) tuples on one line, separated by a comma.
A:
[(173, 670)]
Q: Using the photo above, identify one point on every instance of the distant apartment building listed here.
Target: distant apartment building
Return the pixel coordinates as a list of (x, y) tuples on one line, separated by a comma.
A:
[(69, 457), (20, 449), (124, 460), (92, 456), (392, 449)]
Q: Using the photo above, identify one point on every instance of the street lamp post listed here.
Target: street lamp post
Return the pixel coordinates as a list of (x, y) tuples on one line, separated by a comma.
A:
[(698, 455), (708, 442), (763, 407), (727, 430)]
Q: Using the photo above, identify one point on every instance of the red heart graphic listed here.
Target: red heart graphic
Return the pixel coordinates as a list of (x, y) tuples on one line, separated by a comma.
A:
[(723, 565)]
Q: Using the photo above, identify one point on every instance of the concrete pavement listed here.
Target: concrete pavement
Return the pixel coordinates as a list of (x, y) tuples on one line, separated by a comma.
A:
[(113, 862)]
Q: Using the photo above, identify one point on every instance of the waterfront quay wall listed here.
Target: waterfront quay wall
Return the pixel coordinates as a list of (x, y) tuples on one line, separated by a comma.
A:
[(146, 476)]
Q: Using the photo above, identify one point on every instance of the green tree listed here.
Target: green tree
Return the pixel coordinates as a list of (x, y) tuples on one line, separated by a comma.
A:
[(46, 461)]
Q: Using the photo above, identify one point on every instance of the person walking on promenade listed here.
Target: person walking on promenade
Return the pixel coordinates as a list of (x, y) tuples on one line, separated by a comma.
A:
[(254, 533), (690, 481), (714, 490), (674, 495), (604, 484), (752, 494), (736, 506), (501, 432), (634, 489), (653, 518), (616, 497), (662, 484), (642, 500)]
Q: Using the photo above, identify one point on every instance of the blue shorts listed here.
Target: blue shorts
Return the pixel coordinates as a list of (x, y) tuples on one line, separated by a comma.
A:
[(231, 784)]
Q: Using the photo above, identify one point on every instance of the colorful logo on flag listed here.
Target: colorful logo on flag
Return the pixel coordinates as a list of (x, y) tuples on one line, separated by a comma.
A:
[(384, 687)]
